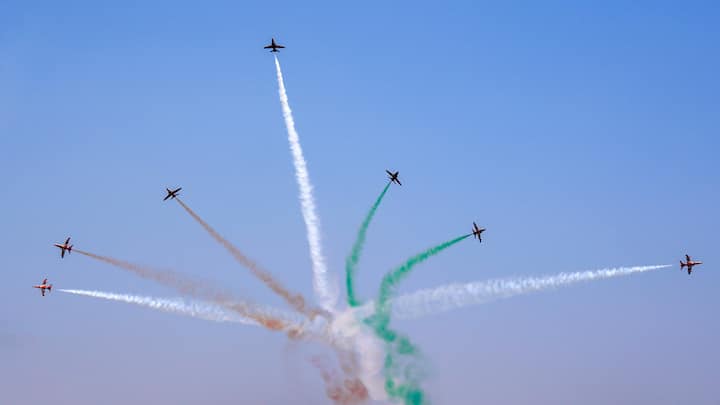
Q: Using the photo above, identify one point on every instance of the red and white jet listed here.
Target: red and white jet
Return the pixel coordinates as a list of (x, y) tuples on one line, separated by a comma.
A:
[(63, 247), (172, 193), (44, 286), (689, 263), (477, 231)]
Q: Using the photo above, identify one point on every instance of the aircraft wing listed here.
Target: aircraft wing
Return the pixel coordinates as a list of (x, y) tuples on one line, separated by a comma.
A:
[(67, 240), (279, 46), (62, 253), (42, 291), (398, 182), (44, 281), (687, 257)]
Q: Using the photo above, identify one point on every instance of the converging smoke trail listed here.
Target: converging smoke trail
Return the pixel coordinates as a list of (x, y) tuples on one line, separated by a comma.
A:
[(402, 380), (199, 290), (326, 293), (352, 260), (453, 296), (176, 306), (295, 300)]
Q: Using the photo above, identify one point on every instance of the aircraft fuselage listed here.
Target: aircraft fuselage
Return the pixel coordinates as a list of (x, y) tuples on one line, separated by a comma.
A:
[(689, 264)]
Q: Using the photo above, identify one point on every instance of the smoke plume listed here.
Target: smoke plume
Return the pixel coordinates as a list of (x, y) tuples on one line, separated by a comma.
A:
[(295, 300), (326, 293)]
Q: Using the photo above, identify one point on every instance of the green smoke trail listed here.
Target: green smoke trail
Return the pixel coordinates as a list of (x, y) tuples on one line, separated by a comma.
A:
[(401, 352), (354, 257), (393, 278)]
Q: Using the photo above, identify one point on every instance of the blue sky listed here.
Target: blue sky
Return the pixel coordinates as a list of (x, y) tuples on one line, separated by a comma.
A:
[(581, 135)]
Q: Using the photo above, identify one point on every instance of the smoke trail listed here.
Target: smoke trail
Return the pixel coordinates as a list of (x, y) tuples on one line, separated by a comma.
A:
[(369, 364), (326, 293), (393, 278), (352, 260), (402, 377), (359, 351), (196, 289), (295, 300), (340, 389), (344, 386), (176, 306), (453, 296), (164, 277)]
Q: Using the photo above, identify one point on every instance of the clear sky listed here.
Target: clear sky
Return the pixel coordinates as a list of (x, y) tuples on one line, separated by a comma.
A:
[(582, 135)]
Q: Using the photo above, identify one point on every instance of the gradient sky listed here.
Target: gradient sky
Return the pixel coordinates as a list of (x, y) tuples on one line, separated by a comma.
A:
[(581, 135)]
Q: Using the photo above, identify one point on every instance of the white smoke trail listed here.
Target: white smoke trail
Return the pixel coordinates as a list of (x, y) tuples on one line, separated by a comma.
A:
[(453, 296), (326, 293), (357, 338), (177, 306)]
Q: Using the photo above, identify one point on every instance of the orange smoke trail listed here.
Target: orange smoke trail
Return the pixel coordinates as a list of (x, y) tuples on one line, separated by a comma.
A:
[(355, 390), (345, 387), (194, 288), (295, 300), (341, 390)]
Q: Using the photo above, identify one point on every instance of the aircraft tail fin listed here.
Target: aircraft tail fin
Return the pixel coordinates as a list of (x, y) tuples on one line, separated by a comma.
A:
[(69, 249), (682, 265), (50, 287)]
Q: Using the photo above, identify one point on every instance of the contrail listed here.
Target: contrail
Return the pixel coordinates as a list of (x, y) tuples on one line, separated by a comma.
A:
[(196, 289), (402, 378), (352, 260), (176, 306), (326, 293), (453, 296), (295, 300)]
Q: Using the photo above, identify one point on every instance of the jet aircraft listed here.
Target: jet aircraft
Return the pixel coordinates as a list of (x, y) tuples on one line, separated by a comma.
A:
[(689, 263), (274, 46), (63, 247), (477, 231), (44, 286), (171, 193), (394, 177)]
